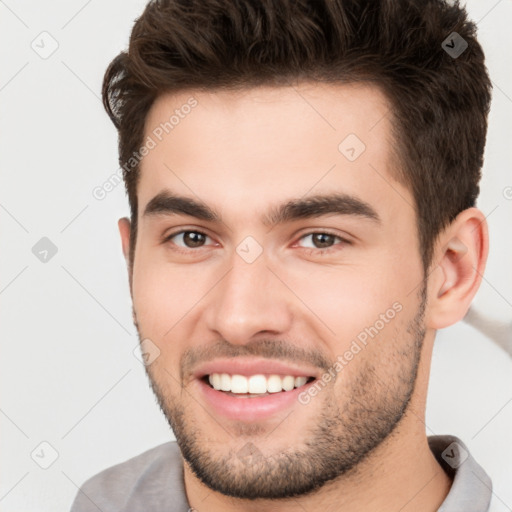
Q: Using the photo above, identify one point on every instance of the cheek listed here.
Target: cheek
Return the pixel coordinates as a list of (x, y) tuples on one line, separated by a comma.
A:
[(347, 299), (161, 296), (170, 297)]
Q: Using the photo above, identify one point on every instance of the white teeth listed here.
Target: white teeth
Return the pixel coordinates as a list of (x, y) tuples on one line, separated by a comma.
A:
[(274, 384), (288, 383), (215, 381), (300, 381), (225, 382), (255, 384), (239, 384)]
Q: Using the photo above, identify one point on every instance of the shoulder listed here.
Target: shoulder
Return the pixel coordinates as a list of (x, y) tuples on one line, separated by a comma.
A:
[(153, 479)]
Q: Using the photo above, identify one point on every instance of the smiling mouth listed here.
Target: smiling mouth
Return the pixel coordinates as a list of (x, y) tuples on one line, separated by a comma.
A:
[(254, 385)]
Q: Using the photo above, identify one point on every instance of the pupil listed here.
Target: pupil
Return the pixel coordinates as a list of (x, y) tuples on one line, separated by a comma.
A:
[(322, 240), (193, 239)]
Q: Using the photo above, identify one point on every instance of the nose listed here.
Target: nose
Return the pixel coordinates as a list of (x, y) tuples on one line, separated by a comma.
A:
[(248, 301)]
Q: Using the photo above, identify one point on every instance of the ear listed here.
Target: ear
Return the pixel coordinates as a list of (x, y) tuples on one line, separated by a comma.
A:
[(124, 230), (124, 226), (461, 253)]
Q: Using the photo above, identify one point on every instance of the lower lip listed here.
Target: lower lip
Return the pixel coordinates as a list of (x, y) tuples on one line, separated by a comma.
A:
[(250, 409)]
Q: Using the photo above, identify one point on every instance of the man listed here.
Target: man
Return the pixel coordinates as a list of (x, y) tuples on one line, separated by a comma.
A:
[(302, 178)]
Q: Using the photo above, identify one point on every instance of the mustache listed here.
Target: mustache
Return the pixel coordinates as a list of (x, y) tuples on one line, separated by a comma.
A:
[(265, 348)]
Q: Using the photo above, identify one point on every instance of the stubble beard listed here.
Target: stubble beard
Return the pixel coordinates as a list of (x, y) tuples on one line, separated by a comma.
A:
[(341, 438)]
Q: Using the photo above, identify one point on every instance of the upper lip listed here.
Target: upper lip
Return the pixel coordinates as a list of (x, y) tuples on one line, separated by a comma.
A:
[(252, 366)]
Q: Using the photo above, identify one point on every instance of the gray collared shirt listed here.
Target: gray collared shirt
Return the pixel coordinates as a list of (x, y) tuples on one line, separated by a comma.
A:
[(153, 482)]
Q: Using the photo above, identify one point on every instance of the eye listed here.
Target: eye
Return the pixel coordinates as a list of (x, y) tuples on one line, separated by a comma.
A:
[(188, 239), (320, 240)]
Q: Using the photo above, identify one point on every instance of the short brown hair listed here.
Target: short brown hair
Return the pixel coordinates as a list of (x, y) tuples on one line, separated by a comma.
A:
[(439, 101)]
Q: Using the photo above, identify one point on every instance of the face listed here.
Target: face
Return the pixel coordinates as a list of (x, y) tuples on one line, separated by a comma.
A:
[(276, 277)]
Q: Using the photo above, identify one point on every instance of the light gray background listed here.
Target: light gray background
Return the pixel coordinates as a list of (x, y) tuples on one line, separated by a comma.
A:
[(69, 375)]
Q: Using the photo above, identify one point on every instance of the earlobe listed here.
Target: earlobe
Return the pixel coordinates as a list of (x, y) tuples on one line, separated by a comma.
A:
[(124, 230), (461, 256)]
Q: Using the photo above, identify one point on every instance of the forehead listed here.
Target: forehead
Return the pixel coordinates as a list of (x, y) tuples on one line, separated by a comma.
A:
[(252, 147)]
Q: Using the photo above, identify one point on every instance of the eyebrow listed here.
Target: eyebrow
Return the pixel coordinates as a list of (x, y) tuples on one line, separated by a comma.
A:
[(166, 203), (318, 205)]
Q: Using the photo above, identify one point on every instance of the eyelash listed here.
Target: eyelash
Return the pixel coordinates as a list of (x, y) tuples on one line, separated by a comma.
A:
[(328, 250), (307, 250)]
